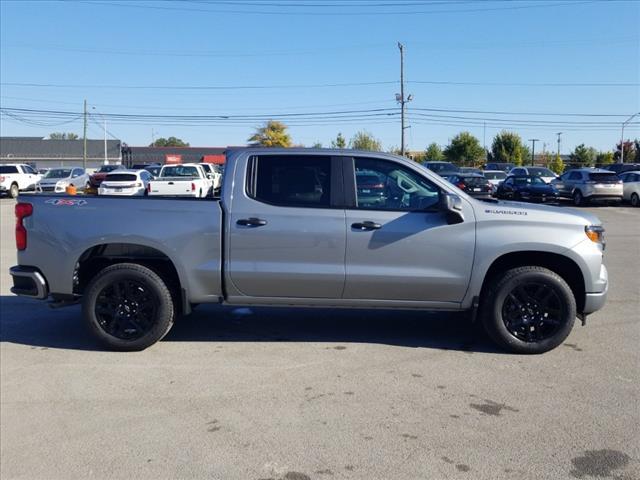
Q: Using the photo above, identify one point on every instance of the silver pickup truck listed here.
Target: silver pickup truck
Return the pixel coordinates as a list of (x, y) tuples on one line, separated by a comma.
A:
[(330, 228)]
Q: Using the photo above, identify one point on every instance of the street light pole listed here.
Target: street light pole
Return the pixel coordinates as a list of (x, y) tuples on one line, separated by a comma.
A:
[(622, 136), (533, 148), (559, 133), (402, 100)]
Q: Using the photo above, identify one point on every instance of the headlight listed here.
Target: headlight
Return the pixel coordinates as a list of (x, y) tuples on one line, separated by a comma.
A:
[(595, 233)]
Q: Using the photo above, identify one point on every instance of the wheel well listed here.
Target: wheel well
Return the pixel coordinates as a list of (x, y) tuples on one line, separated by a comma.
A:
[(563, 266), (98, 257)]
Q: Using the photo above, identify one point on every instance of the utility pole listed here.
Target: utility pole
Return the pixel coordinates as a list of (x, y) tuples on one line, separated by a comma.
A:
[(484, 140), (533, 148), (622, 136), (558, 134), (402, 100), (106, 159), (84, 138)]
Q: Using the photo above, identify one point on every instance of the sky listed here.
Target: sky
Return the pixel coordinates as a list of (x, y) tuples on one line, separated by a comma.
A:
[(244, 61)]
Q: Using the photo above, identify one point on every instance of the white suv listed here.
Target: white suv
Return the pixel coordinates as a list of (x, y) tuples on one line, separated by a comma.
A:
[(17, 178)]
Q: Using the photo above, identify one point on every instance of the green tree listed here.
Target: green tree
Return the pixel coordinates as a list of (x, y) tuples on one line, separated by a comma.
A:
[(272, 134), (630, 151), (169, 142), (604, 158), (317, 145), (339, 142), (525, 155), (365, 141), (507, 147), (585, 156), (63, 136), (557, 165), (465, 149), (433, 153)]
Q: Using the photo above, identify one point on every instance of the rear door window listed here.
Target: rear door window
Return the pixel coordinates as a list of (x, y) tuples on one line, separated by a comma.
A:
[(290, 181)]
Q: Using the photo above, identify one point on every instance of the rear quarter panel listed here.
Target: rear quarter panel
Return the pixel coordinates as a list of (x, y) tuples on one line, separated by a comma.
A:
[(62, 228)]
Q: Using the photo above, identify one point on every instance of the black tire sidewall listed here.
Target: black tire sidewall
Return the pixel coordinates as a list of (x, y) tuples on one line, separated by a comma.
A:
[(635, 200), (494, 323), (165, 307), (578, 199)]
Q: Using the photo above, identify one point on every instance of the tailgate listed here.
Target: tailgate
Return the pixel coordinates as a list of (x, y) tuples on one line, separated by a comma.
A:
[(173, 186)]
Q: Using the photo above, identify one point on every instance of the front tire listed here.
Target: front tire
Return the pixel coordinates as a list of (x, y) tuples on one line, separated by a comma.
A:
[(578, 199), (635, 200), (529, 310), (14, 190), (128, 307)]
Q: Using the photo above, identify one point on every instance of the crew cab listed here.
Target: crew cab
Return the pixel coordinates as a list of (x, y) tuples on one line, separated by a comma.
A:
[(296, 227), (17, 178), (182, 180)]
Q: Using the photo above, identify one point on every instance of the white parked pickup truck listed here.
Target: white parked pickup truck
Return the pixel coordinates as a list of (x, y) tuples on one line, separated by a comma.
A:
[(17, 178), (184, 180)]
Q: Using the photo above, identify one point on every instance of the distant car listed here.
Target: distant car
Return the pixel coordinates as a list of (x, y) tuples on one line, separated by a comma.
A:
[(472, 184), (370, 189), (495, 177), (542, 172), (58, 179), (471, 170), (143, 166), (505, 167), (17, 178), (43, 171), (214, 173), (126, 182), (622, 167), (154, 170), (589, 184), (526, 187), (441, 167), (99, 175), (181, 180), (631, 187)]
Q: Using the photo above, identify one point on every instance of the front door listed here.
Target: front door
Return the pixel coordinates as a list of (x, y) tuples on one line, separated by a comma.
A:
[(287, 229), (399, 244)]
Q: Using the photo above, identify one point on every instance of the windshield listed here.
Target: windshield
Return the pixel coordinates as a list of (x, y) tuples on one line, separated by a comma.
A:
[(179, 171), (528, 181), (121, 177), (108, 168), (58, 173), (541, 172), (495, 175), (442, 167), (8, 169)]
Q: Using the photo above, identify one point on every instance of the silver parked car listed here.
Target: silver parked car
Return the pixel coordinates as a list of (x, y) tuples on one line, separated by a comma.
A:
[(541, 172), (583, 185), (631, 187), (58, 179)]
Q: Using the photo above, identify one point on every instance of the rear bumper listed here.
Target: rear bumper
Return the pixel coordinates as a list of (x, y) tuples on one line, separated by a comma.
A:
[(28, 282), (596, 300)]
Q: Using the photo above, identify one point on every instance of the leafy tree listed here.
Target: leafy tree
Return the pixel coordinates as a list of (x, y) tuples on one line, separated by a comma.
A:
[(630, 151), (604, 158), (507, 147), (434, 153), (169, 142), (525, 155), (465, 149), (419, 157), (557, 165), (365, 141), (339, 142), (63, 136), (584, 156), (317, 145), (272, 134)]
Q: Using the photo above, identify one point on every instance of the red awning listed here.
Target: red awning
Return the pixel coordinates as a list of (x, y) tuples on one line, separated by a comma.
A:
[(217, 159)]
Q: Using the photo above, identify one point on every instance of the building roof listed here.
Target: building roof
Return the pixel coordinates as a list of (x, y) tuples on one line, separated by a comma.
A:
[(159, 154), (34, 148)]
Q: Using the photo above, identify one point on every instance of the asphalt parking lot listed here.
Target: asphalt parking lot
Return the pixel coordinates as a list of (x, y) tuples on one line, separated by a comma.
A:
[(322, 394)]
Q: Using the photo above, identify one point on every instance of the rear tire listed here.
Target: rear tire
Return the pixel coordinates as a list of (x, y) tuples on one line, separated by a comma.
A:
[(578, 199), (528, 310), (635, 200), (128, 307), (14, 190)]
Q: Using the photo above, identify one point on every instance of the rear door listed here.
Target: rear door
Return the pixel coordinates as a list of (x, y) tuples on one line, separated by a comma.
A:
[(286, 229), (400, 246)]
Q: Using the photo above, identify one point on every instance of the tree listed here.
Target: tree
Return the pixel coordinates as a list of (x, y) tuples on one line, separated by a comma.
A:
[(433, 153), (585, 156), (465, 149), (507, 147), (630, 151), (169, 142), (365, 141), (339, 142), (317, 145), (272, 134), (604, 158), (63, 136), (525, 154), (557, 165)]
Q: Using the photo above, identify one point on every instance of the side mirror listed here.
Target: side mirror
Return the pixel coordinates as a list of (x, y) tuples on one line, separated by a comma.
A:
[(451, 204)]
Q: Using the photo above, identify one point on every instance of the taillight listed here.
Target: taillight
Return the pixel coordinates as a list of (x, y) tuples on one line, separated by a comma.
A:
[(1, 179), (23, 210), (461, 185), (193, 187), (148, 187)]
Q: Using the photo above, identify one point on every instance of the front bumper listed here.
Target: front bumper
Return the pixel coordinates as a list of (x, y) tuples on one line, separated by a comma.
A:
[(594, 301), (28, 282)]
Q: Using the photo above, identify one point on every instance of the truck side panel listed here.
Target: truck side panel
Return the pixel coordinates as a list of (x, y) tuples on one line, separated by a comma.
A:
[(188, 232)]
